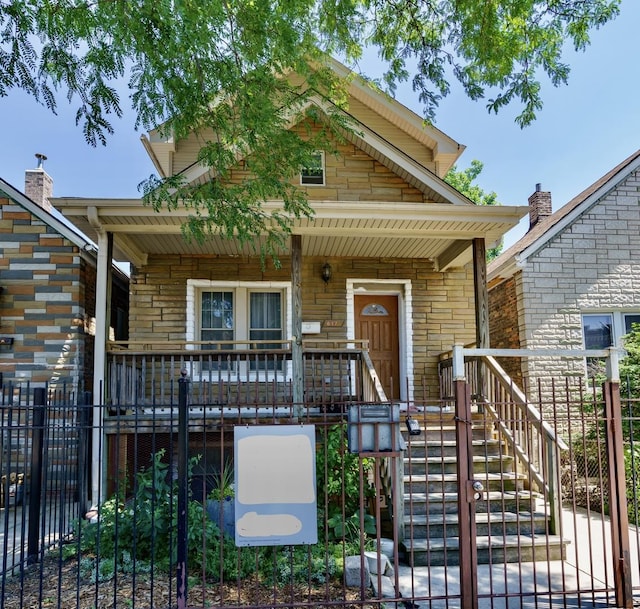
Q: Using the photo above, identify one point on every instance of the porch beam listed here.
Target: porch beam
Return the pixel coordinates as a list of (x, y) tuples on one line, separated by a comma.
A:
[(133, 253), (453, 255)]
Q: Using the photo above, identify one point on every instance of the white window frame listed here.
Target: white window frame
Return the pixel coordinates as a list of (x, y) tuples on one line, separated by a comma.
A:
[(319, 153), (618, 329), (241, 290)]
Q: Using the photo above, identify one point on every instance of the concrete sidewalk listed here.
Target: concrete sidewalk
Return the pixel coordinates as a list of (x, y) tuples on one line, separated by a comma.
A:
[(583, 579)]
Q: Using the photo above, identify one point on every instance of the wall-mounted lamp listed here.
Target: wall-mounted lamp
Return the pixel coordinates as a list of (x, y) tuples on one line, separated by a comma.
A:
[(327, 271)]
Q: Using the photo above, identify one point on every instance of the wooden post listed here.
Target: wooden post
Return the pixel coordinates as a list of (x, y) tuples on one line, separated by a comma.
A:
[(482, 307), (296, 325)]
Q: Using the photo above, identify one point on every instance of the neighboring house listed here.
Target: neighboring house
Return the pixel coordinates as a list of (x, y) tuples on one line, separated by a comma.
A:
[(47, 291), (573, 281), (397, 239)]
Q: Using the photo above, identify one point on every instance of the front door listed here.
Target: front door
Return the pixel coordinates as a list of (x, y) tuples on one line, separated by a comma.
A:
[(376, 320)]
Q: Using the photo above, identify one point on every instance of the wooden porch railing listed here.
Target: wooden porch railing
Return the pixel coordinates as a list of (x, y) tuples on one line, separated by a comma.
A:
[(239, 374)]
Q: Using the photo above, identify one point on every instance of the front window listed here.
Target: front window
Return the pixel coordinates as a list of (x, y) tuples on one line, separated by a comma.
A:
[(597, 331), (265, 324), (233, 316), (216, 316)]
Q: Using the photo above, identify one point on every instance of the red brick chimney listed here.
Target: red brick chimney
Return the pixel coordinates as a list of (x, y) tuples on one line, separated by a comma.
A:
[(539, 206), (38, 185)]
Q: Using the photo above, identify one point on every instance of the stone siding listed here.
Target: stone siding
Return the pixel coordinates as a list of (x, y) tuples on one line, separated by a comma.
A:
[(592, 266), (351, 175), (442, 315), (40, 306)]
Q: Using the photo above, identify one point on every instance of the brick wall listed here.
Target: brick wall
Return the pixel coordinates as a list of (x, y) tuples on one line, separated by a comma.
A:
[(504, 324)]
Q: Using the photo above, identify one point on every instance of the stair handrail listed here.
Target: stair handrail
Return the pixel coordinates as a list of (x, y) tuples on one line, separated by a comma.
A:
[(520, 399), (546, 446)]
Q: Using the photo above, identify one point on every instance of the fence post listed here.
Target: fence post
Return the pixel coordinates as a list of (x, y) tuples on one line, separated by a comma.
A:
[(183, 490), (466, 497), (617, 496), (84, 442), (35, 487), (555, 486)]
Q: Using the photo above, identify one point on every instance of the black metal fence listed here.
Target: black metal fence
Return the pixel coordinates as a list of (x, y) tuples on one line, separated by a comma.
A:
[(105, 507)]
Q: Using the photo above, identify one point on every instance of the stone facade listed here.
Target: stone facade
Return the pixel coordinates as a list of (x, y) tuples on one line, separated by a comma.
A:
[(442, 304), (47, 302), (591, 266)]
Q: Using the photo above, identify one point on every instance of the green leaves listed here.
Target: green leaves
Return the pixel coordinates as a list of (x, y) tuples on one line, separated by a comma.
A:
[(179, 56), (462, 180), (241, 74)]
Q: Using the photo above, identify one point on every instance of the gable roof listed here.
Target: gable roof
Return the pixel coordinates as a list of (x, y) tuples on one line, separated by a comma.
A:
[(364, 95), (53, 218), (505, 265), (440, 227)]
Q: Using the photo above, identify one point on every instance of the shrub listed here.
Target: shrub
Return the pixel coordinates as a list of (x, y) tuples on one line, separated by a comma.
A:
[(144, 527)]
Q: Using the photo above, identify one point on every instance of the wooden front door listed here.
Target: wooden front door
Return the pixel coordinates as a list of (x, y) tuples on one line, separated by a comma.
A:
[(376, 320)]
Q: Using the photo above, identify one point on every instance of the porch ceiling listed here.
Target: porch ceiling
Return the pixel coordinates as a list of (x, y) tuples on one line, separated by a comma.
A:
[(441, 232)]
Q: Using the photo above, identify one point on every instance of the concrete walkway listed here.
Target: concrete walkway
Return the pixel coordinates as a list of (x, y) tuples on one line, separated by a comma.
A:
[(584, 579), (57, 523)]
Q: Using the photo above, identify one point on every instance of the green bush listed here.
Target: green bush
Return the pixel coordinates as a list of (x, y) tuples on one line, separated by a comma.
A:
[(145, 527)]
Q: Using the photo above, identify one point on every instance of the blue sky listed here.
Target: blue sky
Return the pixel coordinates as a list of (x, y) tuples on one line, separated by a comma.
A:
[(585, 129)]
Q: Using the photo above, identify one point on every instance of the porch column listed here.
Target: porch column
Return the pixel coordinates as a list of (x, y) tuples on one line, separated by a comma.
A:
[(481, 293), (482, 305), (296, 324), (103, 275)]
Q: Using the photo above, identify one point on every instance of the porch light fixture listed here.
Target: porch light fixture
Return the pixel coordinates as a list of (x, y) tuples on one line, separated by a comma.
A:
[(327, 271)]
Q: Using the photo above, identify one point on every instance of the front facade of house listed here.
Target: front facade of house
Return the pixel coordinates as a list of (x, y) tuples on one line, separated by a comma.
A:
[(47, 298), (386, 261), (573, 281)]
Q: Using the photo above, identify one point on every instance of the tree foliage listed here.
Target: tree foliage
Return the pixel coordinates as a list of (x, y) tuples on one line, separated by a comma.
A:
[(630, 364), (220, 68), (463, 181)]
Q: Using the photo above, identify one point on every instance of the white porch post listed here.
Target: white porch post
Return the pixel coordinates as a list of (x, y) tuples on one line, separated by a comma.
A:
[(99, 362)]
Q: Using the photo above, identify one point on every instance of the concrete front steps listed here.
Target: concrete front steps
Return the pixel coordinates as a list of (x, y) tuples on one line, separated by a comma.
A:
[(511, 522)]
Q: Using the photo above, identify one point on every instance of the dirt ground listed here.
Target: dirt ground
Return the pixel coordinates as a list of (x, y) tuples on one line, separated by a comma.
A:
[(54, 584)]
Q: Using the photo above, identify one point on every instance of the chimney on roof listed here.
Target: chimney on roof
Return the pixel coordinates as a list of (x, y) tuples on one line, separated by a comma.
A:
[(38, 185), (539, 206)]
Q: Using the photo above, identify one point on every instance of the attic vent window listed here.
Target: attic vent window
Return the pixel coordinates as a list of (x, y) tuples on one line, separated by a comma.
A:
[(313, 174)]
